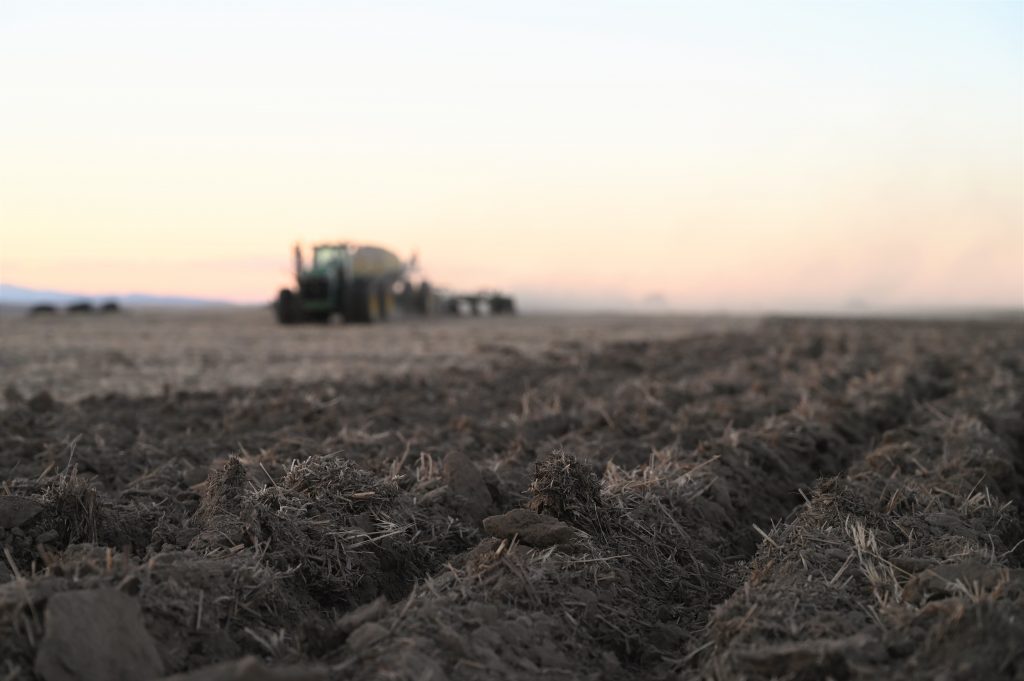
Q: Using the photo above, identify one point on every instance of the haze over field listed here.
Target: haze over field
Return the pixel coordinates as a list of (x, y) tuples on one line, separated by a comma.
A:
[(697, 156)]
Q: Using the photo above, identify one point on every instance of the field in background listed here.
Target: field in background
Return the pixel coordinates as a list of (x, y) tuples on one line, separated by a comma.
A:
[(141, 352)]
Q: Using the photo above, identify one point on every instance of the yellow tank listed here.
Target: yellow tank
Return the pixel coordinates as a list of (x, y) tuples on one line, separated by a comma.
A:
[(370, 261)]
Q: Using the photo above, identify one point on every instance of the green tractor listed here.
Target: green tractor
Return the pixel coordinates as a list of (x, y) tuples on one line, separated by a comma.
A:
[(358, 283)]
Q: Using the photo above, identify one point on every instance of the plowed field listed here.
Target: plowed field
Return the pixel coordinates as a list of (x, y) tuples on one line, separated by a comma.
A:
[(793, 499)]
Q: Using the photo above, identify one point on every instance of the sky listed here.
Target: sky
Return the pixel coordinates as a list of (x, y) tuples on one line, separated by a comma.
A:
[(693, 156)]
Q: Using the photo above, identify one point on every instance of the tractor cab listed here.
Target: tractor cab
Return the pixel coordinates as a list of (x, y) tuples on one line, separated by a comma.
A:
[(323, 284), (329, 257)]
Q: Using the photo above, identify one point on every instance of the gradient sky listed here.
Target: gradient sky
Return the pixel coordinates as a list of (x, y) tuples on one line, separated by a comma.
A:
[(716, 155)]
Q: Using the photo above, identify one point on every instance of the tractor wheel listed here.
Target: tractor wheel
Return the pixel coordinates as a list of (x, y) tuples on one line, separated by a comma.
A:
[(387, 302), (367, 303), (287, 307), (374, 311)]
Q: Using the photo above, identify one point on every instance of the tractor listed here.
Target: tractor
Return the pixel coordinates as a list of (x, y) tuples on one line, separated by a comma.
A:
[(363, 284)]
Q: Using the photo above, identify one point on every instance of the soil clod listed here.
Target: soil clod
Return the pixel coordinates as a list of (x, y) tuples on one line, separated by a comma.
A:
[(16, 511), (96, 635), (532, 528), (565, 488), (467, 484)]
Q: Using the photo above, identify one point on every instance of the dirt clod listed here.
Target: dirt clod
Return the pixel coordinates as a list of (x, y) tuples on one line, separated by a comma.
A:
[(365, 613), (366, 635), (565, 488), (532, 528), (96, 635), (17, 511), (467, 485)]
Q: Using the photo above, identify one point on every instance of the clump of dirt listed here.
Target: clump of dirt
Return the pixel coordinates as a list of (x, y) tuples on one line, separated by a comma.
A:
[(225, 492), (530, 528), (564, 488), (96, 634), (67, 510), (471, 495)]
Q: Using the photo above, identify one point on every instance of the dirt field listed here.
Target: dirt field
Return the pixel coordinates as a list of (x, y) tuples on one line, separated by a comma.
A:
[(546, 499), (145, 352)]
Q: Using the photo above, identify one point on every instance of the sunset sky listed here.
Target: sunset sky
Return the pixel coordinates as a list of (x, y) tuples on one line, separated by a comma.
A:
[(748, 156)]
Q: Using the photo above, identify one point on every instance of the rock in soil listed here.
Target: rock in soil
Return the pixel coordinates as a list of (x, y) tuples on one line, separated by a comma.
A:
[(532, 528), (251, 669), (17, 511), (96, 635)]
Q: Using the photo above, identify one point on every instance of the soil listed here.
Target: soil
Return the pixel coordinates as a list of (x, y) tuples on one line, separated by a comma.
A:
[(140, 352), (806, 499)]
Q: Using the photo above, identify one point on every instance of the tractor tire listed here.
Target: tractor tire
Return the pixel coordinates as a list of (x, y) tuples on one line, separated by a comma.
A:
[(386, 296), (366, 302), (287, 307)]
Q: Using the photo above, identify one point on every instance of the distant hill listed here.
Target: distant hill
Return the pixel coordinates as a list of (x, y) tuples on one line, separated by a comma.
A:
[(20, 296)]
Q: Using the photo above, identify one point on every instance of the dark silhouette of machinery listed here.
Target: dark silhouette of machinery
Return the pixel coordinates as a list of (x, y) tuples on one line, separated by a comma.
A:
[(369, 284)]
